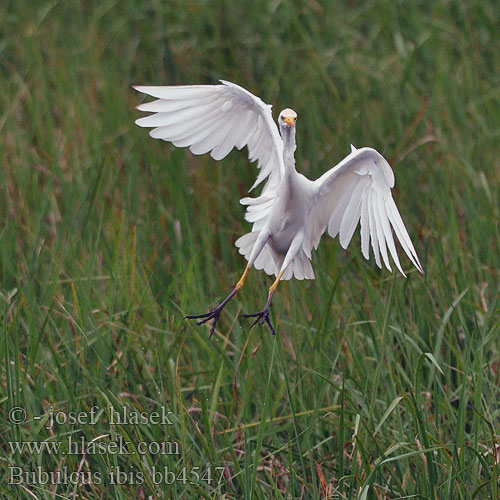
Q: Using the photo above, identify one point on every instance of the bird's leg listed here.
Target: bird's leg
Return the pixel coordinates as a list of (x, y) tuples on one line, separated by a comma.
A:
[(215, 314), (263, 316)]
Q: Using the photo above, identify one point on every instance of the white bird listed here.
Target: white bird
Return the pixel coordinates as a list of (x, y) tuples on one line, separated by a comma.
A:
[(292, 212)]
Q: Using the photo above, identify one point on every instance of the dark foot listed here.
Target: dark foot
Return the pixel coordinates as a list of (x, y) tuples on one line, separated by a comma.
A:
[(215, 314), (261, 316)]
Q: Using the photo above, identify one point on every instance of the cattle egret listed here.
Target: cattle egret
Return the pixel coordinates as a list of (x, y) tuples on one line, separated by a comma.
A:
[(292, 212)]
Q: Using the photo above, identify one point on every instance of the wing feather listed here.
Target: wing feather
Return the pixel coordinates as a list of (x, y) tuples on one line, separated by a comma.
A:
[(336, 216), (176, 92), (190, 137), (226, 142), (380, 233), (373, 231), (216, 119), (184, 115), (351, 214), (401, 233), (388, 233), (180, 130), (218, 132), (167, 106), (365, 228), (243, 132), (358, 190)]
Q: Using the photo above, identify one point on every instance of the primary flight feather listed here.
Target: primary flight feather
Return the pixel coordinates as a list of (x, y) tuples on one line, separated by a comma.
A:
[(292, 212)]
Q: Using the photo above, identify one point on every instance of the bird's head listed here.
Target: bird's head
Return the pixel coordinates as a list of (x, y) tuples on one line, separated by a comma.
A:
[(287, 118)]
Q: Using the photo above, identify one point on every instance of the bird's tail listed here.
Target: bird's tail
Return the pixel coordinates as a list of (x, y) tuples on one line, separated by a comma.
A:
[(271, 262)]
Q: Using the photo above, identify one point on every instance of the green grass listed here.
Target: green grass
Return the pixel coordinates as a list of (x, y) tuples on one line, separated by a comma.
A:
[(376, 386)]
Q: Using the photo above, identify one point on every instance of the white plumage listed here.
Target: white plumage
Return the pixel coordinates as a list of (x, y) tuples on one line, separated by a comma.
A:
[(292, 212)]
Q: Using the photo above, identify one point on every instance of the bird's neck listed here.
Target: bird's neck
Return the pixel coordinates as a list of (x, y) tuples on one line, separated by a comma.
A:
[(288, 135)]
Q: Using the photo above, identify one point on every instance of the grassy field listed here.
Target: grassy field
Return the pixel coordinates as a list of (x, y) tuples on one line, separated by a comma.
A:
[(376, 386)]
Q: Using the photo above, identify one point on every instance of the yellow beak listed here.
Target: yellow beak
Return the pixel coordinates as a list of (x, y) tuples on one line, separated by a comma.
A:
[(289, 120)]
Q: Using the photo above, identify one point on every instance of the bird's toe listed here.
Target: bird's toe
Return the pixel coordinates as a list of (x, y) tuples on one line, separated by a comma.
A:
[(261, 317), (206, 317)]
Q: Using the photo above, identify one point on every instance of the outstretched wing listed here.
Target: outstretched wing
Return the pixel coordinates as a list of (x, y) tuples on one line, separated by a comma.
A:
[(216, 118), (359, 189)]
